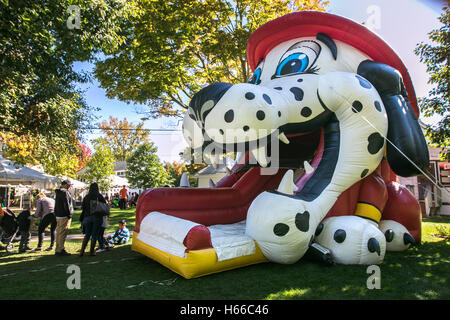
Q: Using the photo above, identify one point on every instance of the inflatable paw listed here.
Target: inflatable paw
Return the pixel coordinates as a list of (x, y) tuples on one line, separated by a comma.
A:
[(397, 236), (352, 240)]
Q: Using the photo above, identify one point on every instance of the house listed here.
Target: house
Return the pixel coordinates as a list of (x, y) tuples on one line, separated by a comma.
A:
[(215, 174), (433, 196)]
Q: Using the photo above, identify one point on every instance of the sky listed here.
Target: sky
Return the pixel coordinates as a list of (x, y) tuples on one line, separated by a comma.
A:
[(401, 23)]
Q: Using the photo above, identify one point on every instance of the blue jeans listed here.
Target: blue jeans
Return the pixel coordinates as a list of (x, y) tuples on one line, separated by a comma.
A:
[(91, 227)]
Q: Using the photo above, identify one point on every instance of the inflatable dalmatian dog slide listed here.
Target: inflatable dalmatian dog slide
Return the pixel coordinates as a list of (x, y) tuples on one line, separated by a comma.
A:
[(342, 104)]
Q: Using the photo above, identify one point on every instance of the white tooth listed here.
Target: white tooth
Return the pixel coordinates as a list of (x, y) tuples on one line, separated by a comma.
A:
[(260, 156), (184, 182), (283, 138), (286, 184), (228, 170), (240, 158), (308, 168), (211, 183), (215, 160)]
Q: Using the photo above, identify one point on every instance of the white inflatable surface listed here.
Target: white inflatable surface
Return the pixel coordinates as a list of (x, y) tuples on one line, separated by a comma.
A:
[(167, 234), (229, 241)]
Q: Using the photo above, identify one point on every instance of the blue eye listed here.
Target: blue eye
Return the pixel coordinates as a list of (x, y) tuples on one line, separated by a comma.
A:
[(295, 63), (255, 77)]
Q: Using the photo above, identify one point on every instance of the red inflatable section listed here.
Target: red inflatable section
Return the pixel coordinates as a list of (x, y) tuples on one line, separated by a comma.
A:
[(208, 206), (404, 208)]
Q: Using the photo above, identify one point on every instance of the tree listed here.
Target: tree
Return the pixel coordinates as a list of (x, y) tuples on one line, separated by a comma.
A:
[(57, 157), (84, 156), (38, 46), (100, 167), (145, 169), (123, 137), (172, 52), (438, 101)]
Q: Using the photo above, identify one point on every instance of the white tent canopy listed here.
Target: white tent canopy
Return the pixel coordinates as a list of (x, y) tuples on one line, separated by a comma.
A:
[(117, 181), (12, 173)]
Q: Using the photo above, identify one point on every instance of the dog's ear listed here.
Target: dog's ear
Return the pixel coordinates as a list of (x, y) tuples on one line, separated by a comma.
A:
[(403, 127)]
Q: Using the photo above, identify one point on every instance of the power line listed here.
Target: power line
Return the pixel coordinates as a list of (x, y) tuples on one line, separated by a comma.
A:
[(130, 129)]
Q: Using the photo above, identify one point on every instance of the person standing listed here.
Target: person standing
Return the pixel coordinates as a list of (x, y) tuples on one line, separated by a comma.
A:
[(91, 220), (123, 198), (63, 214), (45, 210), (23, 220)]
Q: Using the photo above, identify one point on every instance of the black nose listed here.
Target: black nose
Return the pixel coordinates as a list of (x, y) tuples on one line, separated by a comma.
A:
[(204, 100)]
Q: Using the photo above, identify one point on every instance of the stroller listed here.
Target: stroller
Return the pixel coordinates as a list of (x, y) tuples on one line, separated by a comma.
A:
[(8, 230)]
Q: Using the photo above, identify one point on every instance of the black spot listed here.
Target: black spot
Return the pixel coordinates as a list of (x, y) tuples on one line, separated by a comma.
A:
[(280, 229), (363, 82), (364, 173), (357, 106), (300, 80), (246, 128), (306, 112), (407, 238), (389, 234), (229, 116), (298, 93), (278, 88), (279, 113), (378, 106), (260, 115), (302, 221), (267, 98), (319, 229), (376, 142), (339, 235), (250, 96), (329, 43), (221, 131), (374, 246)]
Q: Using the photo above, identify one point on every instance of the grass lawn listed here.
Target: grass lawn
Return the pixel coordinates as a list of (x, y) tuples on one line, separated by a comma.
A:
[(421, 272)]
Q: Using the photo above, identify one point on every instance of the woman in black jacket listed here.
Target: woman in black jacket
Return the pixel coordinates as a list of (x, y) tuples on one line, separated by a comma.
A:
[(90, 220)]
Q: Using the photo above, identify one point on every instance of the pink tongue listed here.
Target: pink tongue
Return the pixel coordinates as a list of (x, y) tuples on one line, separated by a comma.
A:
[(315, 163)]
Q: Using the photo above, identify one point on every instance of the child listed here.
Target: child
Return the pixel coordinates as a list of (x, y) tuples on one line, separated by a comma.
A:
[(23, 219), (121, 236)]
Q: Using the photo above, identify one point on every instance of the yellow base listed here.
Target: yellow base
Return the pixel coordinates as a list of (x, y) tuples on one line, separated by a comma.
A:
[(197, 263)]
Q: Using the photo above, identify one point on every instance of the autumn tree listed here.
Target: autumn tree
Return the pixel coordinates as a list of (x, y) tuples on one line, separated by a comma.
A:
[(83, 156), (175, 170), (435, 56), (177, 47), (56, 156), (123, 137), (39, 43)]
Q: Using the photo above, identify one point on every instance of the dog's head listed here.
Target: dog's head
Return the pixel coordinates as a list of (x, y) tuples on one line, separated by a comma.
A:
[(289, 56)]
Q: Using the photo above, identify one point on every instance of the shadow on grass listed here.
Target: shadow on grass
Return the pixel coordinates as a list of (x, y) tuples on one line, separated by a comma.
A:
[(115, 216), (419, 273), (437, 219)]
